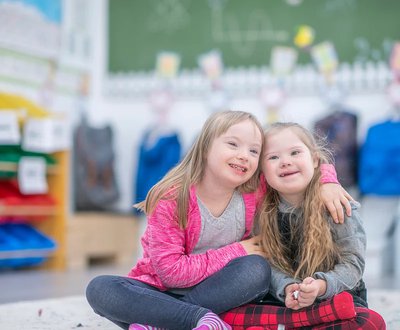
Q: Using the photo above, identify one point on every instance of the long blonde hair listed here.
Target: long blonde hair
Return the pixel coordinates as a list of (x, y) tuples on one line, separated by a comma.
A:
[(176, 183), (317, 250)]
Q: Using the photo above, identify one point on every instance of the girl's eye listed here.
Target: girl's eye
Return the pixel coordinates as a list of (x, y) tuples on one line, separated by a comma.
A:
[(254, 151), (272, 157), (295, 152), (233, 144)]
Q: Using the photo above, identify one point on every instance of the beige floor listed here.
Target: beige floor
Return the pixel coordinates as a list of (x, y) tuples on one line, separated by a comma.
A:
[(38, 284)]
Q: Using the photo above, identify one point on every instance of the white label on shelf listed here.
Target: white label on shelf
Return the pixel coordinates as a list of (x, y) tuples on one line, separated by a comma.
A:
[(32, 175), (9, 129), (46, 135)]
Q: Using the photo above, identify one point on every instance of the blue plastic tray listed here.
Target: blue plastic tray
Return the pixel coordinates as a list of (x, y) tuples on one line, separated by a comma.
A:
[(22, 245)]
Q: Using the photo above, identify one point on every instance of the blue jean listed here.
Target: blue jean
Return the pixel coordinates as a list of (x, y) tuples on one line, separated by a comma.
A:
[(124, 301)]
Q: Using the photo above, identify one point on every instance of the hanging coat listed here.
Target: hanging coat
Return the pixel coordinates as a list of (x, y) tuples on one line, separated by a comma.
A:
[(155, 159)]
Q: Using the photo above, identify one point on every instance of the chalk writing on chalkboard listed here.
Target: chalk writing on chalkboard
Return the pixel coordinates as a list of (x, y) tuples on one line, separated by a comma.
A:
[(245, 32)]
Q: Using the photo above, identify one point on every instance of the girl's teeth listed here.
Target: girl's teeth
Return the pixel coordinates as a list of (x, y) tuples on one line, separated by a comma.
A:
[(238, 168)]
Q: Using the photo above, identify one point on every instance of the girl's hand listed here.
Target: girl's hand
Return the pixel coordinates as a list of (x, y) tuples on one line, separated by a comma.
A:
[(252, 246), (290, 296), (309, 290), (335, 198)]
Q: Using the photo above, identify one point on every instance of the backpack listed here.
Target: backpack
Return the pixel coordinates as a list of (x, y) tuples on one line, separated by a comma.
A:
[(340, 129), (379, 168), (95, 184)]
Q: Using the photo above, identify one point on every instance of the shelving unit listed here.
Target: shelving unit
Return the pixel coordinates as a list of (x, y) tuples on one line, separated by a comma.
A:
[(50, 220), (53, 222)]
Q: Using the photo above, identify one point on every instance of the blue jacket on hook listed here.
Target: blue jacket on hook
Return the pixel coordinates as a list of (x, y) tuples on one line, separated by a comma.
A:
[(380, 160), (154, 161)]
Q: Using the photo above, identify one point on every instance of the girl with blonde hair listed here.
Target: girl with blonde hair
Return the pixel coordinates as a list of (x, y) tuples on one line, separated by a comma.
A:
[(199, 259), (312, 258)]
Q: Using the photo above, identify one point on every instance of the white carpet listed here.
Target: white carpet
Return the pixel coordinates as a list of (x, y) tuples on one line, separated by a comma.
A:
[(74, 313), (52, 314)]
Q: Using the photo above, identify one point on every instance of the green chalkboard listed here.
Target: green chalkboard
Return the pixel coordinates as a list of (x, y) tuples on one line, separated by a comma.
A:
[(245, 31)]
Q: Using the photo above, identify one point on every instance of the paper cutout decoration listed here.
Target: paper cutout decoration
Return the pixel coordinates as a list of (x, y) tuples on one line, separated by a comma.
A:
[(304, 36), (168, 64), (283, 60), (211, 64), (395, 60), (325, 57)]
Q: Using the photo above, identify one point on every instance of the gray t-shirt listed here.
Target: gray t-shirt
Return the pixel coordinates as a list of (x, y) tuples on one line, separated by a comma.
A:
[(220, 231)]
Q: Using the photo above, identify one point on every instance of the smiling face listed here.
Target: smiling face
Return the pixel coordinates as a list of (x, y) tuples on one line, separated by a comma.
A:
[(288, 164), (233, 156)]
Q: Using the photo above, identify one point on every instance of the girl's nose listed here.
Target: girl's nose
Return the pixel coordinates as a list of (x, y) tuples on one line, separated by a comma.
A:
[(285, 162), (243, 155)]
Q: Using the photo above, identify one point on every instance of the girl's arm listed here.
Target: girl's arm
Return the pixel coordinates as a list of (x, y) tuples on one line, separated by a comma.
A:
[(333, 194), (351, 239), (167, 249), (279, 282)]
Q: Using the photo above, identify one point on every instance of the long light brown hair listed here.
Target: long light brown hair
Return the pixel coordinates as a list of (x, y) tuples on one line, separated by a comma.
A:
[(176, 183), (316, 248)]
